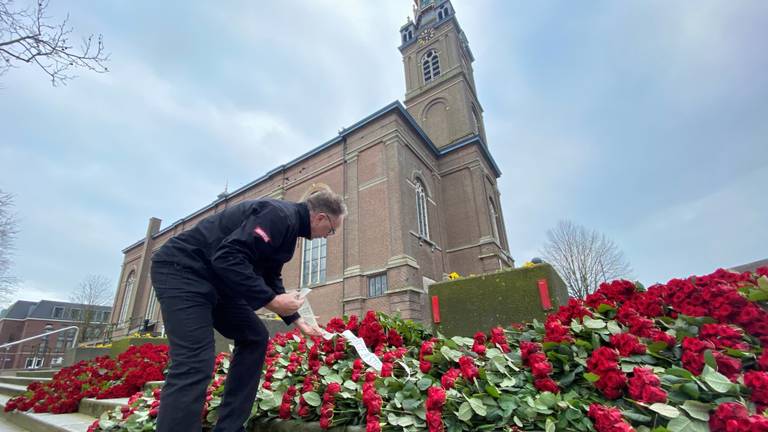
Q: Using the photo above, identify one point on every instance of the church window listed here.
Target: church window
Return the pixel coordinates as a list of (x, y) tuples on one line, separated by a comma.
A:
[(430, 65), (407, 35), (152, 306), (494, 220), (127, 296), (442, 13), (313, 261), (377, 285), (421, 209)]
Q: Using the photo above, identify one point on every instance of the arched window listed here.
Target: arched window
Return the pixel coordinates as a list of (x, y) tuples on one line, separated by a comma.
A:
[(494, 220), (430, 65), (442, 13), (127, 296), (421, 209), (313, 261), (152, 306)]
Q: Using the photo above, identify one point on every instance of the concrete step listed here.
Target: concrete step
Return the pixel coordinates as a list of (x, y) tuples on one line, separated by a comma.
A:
[(6, 426), (25, 381), (12, 390), (40, 373), (75, 422), (95, 407)]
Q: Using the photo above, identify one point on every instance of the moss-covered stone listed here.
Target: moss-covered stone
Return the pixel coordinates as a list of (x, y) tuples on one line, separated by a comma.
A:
[(478, 303), (119, 346)]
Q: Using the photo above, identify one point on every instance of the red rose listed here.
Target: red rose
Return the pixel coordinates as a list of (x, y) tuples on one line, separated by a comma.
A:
[(758, 384), (727, 417), (645, 386), (627, 344), (435, 398), (611, 384), (468, 369), (607, 419), (546, 384), (435, 421), (448, 380), (603, 359)]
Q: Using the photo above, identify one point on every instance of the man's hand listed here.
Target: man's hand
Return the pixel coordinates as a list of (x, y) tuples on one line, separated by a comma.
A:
[(307, 329), (285, 304)]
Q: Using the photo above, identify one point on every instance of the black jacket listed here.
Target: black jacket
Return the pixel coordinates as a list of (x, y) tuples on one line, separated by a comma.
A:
[(242, 249)]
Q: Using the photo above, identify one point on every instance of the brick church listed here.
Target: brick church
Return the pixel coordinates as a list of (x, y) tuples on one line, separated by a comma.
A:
[(418, 179)]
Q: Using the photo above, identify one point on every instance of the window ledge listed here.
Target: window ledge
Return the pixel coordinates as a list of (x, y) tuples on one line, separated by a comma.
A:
[(423, 240)]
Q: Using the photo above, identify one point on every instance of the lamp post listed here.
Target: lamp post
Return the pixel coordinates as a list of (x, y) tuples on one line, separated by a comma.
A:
[(48, 328)]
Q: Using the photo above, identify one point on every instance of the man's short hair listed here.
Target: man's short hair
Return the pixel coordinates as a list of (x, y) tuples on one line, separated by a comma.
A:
[(326, 202)]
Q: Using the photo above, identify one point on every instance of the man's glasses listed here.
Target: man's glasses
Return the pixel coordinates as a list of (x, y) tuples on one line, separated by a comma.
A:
[(330, 222)]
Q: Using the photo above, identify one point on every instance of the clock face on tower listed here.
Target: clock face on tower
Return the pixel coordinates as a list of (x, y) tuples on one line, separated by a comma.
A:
[(426, 36)]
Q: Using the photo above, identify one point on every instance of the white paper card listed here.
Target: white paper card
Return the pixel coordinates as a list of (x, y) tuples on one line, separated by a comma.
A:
[(368, 357)]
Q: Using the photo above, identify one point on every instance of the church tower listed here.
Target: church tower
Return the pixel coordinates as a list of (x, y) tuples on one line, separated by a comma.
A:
[(440, 86)]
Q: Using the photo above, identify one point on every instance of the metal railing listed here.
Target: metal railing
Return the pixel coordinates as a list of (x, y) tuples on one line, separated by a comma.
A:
[(45, 335)]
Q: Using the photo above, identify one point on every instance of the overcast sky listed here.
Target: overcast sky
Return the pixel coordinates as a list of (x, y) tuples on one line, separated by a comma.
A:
[(646, 120)]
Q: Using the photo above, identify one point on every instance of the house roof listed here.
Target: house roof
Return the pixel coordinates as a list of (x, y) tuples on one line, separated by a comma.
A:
[(394, 107), (43, 309)]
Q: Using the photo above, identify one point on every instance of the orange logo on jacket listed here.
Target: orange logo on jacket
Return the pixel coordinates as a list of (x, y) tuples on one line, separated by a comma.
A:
[(261, 233)]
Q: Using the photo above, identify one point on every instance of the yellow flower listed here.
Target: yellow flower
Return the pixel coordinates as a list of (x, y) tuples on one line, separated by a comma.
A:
[(454, 276), (528, 264)]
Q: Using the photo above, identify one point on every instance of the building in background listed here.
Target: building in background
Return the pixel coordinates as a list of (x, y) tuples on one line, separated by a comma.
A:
[(418, 179), (25, 319)]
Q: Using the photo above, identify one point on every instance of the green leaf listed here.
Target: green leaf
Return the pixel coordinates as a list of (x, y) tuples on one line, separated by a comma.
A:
[(334, 378), (667, 411), (762, 282), (697, 410), (709, 359), (679, 372), (550, 425), (450, 354), (589, 376), (576, 327), (463, 341), (684, 424), (547, 399), (715, 380), (350, 384), (614, 327), (691, 389), (656, 347), (465, 412), (492, 390), (312, 398), (424, 384), (593, 323), (404, 420), (636, 416), (324, 370), (603, 308), (756, 296), (477, 406)]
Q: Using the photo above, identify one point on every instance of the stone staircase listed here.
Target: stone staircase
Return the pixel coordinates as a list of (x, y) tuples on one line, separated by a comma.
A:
[(15, 421)]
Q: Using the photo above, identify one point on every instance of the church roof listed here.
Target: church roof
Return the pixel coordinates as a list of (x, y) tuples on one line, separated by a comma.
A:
[(394, 107)]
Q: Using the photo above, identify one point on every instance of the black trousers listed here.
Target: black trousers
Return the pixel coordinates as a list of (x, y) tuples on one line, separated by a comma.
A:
[(192, 308)]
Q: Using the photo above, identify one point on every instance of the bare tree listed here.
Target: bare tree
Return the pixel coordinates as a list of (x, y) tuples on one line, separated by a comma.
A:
[(93, 291), (583, 258), (8, 231), (28, 35)]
